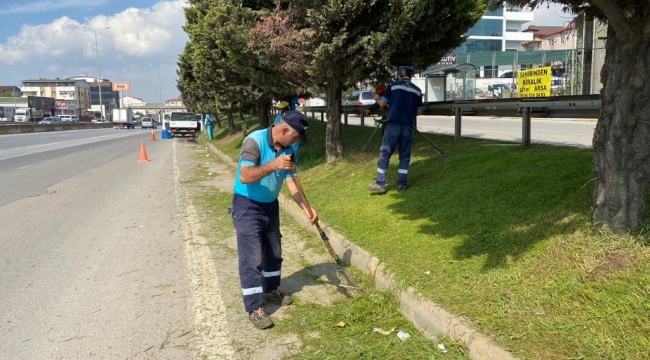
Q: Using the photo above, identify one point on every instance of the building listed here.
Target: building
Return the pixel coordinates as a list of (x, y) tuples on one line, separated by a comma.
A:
[(177, 101), (498, 30), (75, 93), (546, 38), (10, 91), (131, 101), (110, 98)]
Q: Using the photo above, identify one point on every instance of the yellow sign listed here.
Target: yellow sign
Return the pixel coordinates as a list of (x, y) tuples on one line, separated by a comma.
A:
[(121, 86), (534, 82)]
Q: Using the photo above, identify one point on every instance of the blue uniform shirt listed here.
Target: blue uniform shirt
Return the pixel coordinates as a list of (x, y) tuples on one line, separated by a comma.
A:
[(405, 100), (268, 188)]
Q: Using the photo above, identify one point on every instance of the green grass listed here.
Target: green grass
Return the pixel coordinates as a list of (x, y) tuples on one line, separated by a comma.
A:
[(505, 233), (316, 324)]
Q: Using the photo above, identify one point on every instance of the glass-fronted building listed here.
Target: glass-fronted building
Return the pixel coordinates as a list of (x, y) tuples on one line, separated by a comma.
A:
[(110, 98), (498, 30)]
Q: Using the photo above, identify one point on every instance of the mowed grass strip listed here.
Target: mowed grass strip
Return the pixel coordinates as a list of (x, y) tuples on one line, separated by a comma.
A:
[(341, 330), (498, 234)]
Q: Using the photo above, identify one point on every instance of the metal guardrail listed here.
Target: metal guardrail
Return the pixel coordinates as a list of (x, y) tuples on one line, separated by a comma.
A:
[(580, 106)]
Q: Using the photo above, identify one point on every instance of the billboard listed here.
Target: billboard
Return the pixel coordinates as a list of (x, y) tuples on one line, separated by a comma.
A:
[(448, 59), (40, 103), (65, 105), (121, 86), (6, 112), (534, 82)]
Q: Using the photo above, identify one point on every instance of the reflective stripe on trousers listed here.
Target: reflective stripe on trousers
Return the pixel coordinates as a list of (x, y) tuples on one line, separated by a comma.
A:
[(393, 135), (257, 226)]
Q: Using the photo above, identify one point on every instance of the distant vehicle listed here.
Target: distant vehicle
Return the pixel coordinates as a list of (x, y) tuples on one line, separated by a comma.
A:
[(99, 121), (123, 119), (184, 124), (7, 113), (28, 115), (360, 98), (68, 118), (52, 120), (557, 83), (148, 122)]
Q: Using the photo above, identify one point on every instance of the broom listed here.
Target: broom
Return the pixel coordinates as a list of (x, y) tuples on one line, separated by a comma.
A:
[(344, 280)]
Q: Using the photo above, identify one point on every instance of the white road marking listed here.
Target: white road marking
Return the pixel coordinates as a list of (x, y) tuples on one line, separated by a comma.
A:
[(208, 307), (24, 167)]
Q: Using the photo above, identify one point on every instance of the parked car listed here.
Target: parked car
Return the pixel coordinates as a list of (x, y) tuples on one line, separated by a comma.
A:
[(69, 118), (148, 122), (360, 98), (53, 120)]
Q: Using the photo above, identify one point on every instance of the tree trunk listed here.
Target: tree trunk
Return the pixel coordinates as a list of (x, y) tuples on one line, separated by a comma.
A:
[(231, 121), (622, 138), (264, 107), (333, 141), (243, 121)]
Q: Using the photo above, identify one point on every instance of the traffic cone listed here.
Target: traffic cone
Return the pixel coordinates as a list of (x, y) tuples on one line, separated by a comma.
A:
[(143, 153), (153, 136)]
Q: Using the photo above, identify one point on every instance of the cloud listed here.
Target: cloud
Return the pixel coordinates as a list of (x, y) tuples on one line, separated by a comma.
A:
[(136, 38), (50, 5), (550, 15)]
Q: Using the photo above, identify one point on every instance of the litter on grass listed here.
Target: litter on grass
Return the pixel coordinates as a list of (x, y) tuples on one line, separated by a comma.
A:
[(383, 332), (428, 272), (441, 347), (403, 336)]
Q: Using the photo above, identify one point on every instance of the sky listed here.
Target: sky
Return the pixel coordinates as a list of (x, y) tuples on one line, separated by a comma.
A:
[(47, 39)]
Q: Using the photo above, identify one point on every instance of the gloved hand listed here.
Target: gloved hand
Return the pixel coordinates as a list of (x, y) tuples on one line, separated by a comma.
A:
[(293, 163)]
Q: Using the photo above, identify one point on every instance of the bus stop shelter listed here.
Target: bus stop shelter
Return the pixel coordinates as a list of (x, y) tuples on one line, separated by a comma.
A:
[(457, 82)]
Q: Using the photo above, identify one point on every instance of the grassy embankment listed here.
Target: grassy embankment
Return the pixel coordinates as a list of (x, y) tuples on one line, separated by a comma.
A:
[(498, 234)]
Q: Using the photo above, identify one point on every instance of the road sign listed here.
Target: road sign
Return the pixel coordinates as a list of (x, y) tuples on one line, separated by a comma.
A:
[(534, 82), (121, 86)]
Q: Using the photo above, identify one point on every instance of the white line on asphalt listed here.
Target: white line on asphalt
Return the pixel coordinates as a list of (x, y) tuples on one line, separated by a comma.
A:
[(209, 309), (24, 167)]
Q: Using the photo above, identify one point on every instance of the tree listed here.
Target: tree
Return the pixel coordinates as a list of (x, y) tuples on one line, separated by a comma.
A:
[(342, 42), (621, 141)]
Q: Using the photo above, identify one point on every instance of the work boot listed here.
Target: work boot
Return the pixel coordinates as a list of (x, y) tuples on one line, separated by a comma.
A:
[(401, 188), (279, 297), (376, 188), (260, 319)]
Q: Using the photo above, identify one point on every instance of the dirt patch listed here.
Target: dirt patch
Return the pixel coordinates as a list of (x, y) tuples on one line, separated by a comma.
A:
[(222, 325), (612, 263)]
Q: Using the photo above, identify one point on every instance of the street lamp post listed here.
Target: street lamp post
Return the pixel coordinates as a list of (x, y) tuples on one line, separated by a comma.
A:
[(99, 74), (162, 120)]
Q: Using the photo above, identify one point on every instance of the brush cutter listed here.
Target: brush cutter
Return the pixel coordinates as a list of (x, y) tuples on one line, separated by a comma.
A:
[(344, 281), (433, 145)]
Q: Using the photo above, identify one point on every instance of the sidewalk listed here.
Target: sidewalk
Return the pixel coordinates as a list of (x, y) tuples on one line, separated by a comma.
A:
[(426, 315)]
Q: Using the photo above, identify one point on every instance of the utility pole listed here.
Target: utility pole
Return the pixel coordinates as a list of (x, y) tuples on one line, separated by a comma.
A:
[(99, 74)]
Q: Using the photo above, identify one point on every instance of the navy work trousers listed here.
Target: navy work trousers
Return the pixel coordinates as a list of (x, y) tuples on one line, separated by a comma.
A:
[(258, 245), (395, 134)]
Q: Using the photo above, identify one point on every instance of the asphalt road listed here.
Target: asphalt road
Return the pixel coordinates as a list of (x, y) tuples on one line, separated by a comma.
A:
[(566, 132), (91, 264)]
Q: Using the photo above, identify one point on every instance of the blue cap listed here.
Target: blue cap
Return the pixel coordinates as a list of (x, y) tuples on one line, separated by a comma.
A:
[(297, 121), (405, 71)]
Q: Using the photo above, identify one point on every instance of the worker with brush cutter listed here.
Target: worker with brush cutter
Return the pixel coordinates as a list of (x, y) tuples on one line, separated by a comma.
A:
[(405, 100), (265, 161)]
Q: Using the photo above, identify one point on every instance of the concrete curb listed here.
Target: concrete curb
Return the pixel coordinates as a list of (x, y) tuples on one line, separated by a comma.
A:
[(13, 130), (426, 315)]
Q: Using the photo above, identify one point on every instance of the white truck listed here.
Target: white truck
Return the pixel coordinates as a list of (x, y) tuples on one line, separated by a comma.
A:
[(28, 115), (7, 113), (182, 123), (122, 119)]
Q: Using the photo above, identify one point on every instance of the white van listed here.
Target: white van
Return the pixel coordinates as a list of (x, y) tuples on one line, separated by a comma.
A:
[(68, 118)]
